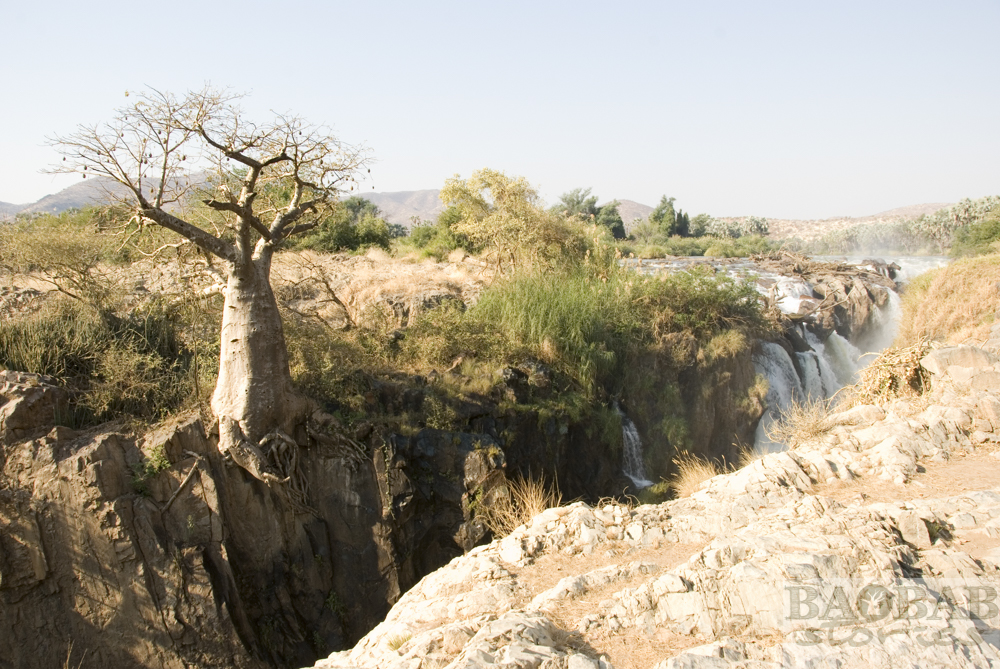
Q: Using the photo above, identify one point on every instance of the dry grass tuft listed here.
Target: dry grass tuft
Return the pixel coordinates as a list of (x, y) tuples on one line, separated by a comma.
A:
[(396, 641), (895, 373), (747, 455), (800, 422), (692, 471), (517, 502)]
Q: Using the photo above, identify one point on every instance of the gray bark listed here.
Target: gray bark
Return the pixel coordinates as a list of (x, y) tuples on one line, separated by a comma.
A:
[(254, 389)]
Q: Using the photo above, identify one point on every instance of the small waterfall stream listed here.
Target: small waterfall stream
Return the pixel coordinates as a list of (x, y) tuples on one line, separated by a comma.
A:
[(632, 453)]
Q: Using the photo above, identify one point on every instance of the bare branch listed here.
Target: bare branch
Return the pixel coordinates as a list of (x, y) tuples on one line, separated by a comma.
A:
[(203, 239), (286, 172), (299, 229)]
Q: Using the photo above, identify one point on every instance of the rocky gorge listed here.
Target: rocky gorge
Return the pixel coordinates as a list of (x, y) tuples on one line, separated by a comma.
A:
[(150, 549), (840, 552)]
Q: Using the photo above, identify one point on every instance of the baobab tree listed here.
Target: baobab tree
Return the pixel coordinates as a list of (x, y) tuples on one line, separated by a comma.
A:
[(268, 182)]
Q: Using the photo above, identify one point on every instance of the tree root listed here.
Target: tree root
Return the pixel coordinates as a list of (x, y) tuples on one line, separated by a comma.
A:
[(276, 465)]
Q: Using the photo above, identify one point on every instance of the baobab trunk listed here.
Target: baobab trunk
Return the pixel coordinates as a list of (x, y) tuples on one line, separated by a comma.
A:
[(254, 394)]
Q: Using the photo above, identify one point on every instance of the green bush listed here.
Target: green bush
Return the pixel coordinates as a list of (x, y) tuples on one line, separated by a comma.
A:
[(438, 239), (588, 322), (719, 247)]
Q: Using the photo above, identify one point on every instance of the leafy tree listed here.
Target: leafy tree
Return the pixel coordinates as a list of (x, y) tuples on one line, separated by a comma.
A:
[(664, 217), (581, 204), (577, 202), (699, 224), (272, 180), (503, 216), (737, 227), (355, 223), (682, 224), (609, 218)]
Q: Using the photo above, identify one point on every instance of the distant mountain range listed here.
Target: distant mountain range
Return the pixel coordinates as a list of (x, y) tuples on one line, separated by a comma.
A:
[(92, 191), (403, 207)]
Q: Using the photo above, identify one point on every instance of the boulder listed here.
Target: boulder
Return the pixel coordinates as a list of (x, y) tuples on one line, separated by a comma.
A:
[(938, 361), (29, 405)]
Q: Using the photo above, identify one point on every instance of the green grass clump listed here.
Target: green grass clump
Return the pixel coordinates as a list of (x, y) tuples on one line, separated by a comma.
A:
[(586, 323)]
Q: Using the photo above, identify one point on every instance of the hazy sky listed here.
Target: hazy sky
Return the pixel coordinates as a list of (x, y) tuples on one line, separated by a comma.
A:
[(780, 109)]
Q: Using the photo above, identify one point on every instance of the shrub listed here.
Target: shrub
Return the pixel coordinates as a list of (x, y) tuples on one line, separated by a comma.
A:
[(719, 247), (438, 239), (66, 251), (978, 238), (133, 365)]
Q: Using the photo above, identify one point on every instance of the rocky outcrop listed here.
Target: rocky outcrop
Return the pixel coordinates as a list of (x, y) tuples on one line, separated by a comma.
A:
[(832, 297), (782, 573), (29, 403)]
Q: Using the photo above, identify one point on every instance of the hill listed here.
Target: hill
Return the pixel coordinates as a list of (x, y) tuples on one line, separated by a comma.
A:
[(631, 210), (8, 209), (400, 207), (781, 228)]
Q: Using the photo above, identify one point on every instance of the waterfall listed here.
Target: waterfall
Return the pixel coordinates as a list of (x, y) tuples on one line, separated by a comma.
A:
[(838, 357), (884, 326), (784, 388), (632, 453), (822, 371)]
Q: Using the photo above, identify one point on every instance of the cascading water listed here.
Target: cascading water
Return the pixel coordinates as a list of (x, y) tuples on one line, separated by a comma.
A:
[(831, 364), (784, 388), (838, 360), (632, 453), (822, 371)]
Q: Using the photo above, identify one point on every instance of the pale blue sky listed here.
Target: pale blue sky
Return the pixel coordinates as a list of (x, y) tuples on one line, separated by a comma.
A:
[(780, 109)]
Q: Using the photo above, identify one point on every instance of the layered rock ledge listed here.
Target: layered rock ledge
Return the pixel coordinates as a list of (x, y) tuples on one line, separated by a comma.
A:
[(874, 544)]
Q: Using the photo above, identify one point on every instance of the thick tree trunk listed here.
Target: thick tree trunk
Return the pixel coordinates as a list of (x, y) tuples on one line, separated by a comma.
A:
[(254, 390)]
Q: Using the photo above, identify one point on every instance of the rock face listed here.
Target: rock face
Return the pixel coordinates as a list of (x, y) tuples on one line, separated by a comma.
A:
[(782, 574), (184, 560), (157, 552)]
